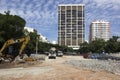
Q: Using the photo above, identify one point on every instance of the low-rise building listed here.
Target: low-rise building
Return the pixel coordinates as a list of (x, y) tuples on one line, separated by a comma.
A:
[(41, 37)]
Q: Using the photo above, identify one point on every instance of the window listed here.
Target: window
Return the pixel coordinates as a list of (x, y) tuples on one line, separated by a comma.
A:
[(73, 22), (68, 41), (68, 20), (62, 30), (80, 27), (80, 35), (74, 7), (68, 7), (79, 13), (68, 11), (68, 35), (79, 31), (73, 31), (79, 41), (62, 7), (62, 36), (68, 30), (69, 26), (62, 41), (80, 8), (79, 22), (62, 16), (74, 13), (62, 22), (73, 41), (62, 27), (74, 35)]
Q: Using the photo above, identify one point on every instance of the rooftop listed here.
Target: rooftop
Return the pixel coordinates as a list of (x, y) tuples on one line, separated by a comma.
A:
[(71, 5), (100, 21)]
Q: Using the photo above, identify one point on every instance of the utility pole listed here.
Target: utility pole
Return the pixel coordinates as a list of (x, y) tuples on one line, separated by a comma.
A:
[(37, 39)]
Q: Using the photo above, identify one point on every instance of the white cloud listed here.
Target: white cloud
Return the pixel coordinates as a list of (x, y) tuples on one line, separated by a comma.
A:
[(106, 1), (54, 42), (42, 14), (103, 3)]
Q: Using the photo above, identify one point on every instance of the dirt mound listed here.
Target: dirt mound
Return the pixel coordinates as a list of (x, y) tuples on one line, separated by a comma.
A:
[(22, 64)]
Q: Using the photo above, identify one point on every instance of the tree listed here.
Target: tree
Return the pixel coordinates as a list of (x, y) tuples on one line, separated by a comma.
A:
[(97, 46), (100, 46), (11, 26), (42, 46), (32, 43), (118, 47), (1, 38), (84, 48), (112, 45)]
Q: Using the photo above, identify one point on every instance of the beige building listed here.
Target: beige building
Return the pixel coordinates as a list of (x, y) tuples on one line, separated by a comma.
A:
[(99, 30), (71, 25)]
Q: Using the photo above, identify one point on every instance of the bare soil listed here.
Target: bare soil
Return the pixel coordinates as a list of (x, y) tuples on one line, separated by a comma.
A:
[(52, 69)]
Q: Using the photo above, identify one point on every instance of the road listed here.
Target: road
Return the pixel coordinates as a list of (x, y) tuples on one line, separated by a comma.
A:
[(55, 69)]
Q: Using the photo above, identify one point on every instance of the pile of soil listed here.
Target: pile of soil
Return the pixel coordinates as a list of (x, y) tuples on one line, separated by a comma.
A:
[(22, 64)]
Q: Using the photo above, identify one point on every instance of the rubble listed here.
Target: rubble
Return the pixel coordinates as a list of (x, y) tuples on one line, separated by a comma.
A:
[(103, 65)]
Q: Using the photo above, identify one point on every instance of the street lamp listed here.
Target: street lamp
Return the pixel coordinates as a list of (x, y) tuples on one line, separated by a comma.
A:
[(37, 39)]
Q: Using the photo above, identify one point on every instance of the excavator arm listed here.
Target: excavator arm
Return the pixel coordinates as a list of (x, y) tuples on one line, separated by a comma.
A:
[(6, 44), (24, 41)]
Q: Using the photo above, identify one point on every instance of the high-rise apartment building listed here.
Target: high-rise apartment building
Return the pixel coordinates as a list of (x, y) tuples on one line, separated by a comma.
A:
[(71, 25), (99, 30)]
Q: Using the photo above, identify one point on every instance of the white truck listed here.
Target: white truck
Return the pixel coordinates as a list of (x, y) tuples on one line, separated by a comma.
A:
[(52, 53), (59, 53)]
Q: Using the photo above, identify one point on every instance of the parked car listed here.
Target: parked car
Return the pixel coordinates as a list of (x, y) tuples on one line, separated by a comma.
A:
[(86, 55), (70, 53), (59, 53), (52, 55), (94, 56)]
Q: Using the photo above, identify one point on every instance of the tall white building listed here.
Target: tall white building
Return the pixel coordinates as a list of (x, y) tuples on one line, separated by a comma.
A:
[(71, 25), (99, 30)]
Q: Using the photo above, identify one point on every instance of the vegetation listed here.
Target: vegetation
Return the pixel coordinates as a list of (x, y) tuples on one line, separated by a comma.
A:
[(100, 46), (112, 45), (42, 46), (84, 48), (11, 26), (97, 46)]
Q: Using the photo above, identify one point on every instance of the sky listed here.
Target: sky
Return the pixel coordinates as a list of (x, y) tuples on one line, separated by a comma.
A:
[(42, 15)]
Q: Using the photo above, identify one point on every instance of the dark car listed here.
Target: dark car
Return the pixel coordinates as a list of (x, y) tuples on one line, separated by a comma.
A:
[(86, 55), (95, 56)]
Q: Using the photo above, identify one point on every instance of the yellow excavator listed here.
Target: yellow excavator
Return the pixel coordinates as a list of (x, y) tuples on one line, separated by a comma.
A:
[(23, 40)]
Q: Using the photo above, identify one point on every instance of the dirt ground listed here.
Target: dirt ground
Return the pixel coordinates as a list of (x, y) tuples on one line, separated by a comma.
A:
[(54, 69)]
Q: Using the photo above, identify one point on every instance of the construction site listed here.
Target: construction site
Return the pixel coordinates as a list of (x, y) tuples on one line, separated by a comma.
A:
[(55, 65), (66, 67), (25, 54)]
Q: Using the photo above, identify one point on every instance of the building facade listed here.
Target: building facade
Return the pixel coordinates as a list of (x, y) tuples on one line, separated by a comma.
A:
[(71, 25), (99, 30)]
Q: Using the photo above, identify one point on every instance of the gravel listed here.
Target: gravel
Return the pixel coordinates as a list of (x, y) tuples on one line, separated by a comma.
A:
[(96, 65), (20, 72)]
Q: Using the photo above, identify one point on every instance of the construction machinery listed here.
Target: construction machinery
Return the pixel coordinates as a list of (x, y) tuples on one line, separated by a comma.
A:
[(52, 53), (59, 53), (23, 40)]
